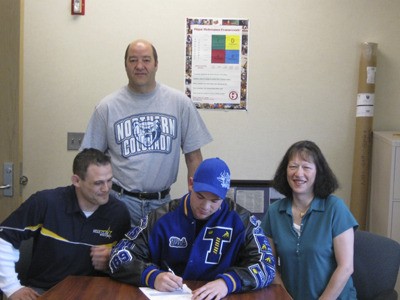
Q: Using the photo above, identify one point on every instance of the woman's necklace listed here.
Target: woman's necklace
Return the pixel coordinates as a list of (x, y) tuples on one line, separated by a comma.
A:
[(302, 213)]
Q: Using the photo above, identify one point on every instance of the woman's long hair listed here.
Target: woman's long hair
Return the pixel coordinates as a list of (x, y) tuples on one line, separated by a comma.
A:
[(325, 180)]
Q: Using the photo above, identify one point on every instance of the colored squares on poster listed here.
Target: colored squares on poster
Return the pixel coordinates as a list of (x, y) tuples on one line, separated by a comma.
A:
[(218, 42), (232, 42), (232, 57), (218, 56), (225, 49)]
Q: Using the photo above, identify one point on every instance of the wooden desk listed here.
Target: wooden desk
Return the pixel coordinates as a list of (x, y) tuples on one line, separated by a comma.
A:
[(85, 287)]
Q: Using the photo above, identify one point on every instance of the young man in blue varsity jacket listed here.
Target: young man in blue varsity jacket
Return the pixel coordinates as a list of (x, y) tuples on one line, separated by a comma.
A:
[(202, 236)]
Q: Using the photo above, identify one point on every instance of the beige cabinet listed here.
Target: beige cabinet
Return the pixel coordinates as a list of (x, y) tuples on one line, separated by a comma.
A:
[(385, 184), (384, 216)]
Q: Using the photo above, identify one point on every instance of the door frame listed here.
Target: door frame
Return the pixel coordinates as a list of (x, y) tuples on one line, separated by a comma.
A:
[(11, 96)]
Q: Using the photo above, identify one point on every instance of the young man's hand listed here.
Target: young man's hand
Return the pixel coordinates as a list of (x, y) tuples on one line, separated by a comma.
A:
[(168, 282), (215, 290)]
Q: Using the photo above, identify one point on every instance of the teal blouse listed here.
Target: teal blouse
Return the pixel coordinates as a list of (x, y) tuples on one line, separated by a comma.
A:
[(308, 261)]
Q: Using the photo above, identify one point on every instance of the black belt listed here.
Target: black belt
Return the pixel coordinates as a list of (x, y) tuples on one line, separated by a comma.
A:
[(142, 196)]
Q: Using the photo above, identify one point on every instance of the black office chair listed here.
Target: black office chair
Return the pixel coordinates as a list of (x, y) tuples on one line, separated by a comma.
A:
[(25, 257), (376, 266)]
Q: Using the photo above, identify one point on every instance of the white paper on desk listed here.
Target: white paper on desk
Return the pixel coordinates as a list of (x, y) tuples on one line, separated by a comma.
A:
[(152, 294)]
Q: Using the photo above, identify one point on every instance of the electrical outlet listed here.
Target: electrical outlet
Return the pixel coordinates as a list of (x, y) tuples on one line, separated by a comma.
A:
[(74, 140)]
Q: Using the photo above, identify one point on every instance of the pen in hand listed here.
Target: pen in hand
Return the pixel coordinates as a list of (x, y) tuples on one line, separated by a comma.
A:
[(172, 272)]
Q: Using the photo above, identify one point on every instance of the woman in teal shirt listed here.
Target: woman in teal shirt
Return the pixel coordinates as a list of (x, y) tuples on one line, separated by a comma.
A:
[(311, 230)]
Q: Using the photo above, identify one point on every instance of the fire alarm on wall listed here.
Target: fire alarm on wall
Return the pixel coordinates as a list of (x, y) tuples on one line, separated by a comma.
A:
[(77, 7)]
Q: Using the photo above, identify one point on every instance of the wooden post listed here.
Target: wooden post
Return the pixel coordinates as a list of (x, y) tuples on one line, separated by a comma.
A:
[(363, 135)]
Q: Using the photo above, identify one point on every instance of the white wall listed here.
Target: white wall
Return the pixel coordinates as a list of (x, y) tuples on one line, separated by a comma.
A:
[(303, 77)]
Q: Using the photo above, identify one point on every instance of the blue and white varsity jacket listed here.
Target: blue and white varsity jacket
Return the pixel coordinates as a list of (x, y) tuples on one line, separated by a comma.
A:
[(231, 245)]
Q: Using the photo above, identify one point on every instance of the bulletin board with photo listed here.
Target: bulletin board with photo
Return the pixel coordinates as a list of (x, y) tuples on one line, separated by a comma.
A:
[(254, 195)]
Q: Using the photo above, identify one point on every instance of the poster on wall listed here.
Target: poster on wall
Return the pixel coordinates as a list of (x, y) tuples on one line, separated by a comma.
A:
[(216, 62)]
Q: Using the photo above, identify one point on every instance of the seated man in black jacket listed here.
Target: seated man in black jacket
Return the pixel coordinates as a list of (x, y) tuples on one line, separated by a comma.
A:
[(73, 228)]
